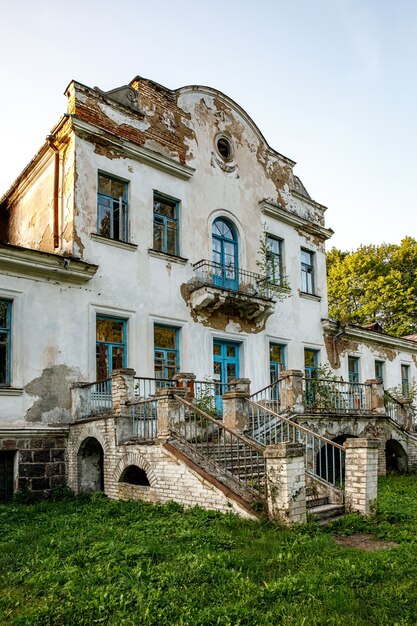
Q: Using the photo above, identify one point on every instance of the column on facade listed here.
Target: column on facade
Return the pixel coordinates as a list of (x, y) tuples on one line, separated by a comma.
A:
[(285, 478), (361, 475), (235, 405), (290, 386)]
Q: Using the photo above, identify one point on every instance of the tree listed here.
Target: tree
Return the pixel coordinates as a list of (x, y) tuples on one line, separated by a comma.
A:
[(375, 284)]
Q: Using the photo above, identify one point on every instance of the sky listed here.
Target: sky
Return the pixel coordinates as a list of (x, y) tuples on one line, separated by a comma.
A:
[(330, 83)]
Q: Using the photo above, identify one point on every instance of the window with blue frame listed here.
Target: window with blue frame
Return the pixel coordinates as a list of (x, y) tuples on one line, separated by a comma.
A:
[(5, 341), (379, 370), (225, 254), (112, 216), (276, 360), (311, 363), (165, 224), (307, 271), (405, 380), (274, 260), (166, 351), (111, 351), (353, 369)]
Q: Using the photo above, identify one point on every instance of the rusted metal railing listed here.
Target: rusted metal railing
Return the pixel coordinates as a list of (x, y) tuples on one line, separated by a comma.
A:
[(231, 278), (234, 454), (144, 419), (324, 459), (147, 387), (334, 396)]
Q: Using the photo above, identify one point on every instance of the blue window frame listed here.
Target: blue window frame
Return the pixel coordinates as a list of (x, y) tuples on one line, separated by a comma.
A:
[(274, 260), (307, 271), (225, 255), (225, 367), (379, 370), (112, 217), (165, 224), (5, 341), (276, 360), (405, 380), (111, 352), (353, 369), (166, 351), (311, 363)]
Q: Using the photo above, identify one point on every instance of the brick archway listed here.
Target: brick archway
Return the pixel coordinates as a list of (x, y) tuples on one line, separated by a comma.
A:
[(134, 458)]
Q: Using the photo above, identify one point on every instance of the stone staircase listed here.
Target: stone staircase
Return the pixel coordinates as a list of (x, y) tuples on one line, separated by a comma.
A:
[(321, 509)]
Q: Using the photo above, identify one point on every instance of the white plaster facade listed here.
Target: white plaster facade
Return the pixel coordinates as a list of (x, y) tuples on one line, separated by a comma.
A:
[(59, 274)]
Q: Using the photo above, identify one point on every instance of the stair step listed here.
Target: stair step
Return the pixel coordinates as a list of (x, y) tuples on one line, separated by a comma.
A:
[(313, 502), (326, 511)]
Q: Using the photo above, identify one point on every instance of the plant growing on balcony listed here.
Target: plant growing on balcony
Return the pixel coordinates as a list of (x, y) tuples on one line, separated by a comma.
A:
[(273, 279)]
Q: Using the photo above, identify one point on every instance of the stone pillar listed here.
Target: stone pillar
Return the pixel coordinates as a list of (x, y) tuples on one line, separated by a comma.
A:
[(122, 391), (170, 410), (290, 385), (186, 380), (361, 475), (235, 405), (285, 477), (374, 396), (78, 400)]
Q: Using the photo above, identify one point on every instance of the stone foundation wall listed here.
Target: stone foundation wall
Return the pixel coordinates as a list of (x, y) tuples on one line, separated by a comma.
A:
[(41, 461), (169, 477)]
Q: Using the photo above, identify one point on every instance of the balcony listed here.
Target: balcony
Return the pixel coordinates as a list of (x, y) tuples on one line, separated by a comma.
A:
[(224, 289)]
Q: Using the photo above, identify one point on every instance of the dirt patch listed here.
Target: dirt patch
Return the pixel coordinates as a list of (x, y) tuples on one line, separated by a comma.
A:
[(363, 541)]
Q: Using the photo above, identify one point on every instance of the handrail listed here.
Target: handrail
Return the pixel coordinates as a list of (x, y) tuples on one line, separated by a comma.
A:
[(222, 449), (393, 398), (250, 442), (297, 426), (231, 278)]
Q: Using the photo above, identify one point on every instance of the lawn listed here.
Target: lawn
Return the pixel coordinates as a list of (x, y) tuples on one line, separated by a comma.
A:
[(85, 562)]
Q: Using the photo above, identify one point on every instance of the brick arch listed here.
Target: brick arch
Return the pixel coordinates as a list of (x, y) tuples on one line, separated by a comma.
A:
[(90, 430), (134, 458)]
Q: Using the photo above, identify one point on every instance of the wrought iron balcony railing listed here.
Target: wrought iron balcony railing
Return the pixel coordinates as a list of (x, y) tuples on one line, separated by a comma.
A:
[(230, 278)]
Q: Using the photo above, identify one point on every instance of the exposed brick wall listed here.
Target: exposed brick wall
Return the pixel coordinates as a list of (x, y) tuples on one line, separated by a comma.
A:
[(42, 461), (169, 478)]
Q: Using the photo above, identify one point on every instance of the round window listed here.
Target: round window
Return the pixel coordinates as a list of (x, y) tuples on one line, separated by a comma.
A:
[(224, 147)]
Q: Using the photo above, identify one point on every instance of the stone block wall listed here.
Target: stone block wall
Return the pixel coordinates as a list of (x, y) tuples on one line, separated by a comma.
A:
[(41, 461)]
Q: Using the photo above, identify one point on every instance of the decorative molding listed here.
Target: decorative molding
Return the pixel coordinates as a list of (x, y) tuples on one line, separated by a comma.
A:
[(19, 431), (11, 391), (304, 198), (309, 296), (116, 243), (143, 155), (27, 262), (172, 258), (226, 166), (364, 335), (278, 213)]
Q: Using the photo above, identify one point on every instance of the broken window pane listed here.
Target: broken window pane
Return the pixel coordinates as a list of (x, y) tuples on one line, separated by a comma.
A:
[(166, 351), (110, 345), (112, 208)]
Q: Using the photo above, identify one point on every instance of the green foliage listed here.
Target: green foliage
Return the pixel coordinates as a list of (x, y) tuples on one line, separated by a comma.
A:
[(205, 399), (108, 562), (397, 392), (375, 284), (269, 271)]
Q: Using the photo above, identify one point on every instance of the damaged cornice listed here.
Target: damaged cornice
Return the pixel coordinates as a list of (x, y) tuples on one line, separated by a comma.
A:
[(23, 261), (277, 212)]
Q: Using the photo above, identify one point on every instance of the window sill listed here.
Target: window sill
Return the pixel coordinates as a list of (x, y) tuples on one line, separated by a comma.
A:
[(309, 296), (167, 257), (116, 243), (10, 391)]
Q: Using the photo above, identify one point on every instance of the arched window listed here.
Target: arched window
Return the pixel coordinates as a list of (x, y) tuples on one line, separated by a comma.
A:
[(225, 254), (134, 475)]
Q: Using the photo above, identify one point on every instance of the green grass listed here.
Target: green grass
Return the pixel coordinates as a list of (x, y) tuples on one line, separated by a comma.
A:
[(80, 562)]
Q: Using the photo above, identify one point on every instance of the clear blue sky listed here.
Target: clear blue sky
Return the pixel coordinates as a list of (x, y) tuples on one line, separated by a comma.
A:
[(331, 84)]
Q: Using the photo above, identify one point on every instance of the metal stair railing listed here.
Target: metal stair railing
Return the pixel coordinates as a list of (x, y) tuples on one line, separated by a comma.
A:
[(324, 458), (232, 453), (144, 418)]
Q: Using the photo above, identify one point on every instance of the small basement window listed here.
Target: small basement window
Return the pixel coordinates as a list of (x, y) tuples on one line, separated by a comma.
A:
[(135, 475), (224, 147)]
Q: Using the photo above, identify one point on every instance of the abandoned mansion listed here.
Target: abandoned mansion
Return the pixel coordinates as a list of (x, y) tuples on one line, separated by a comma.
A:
[(164, 332)]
